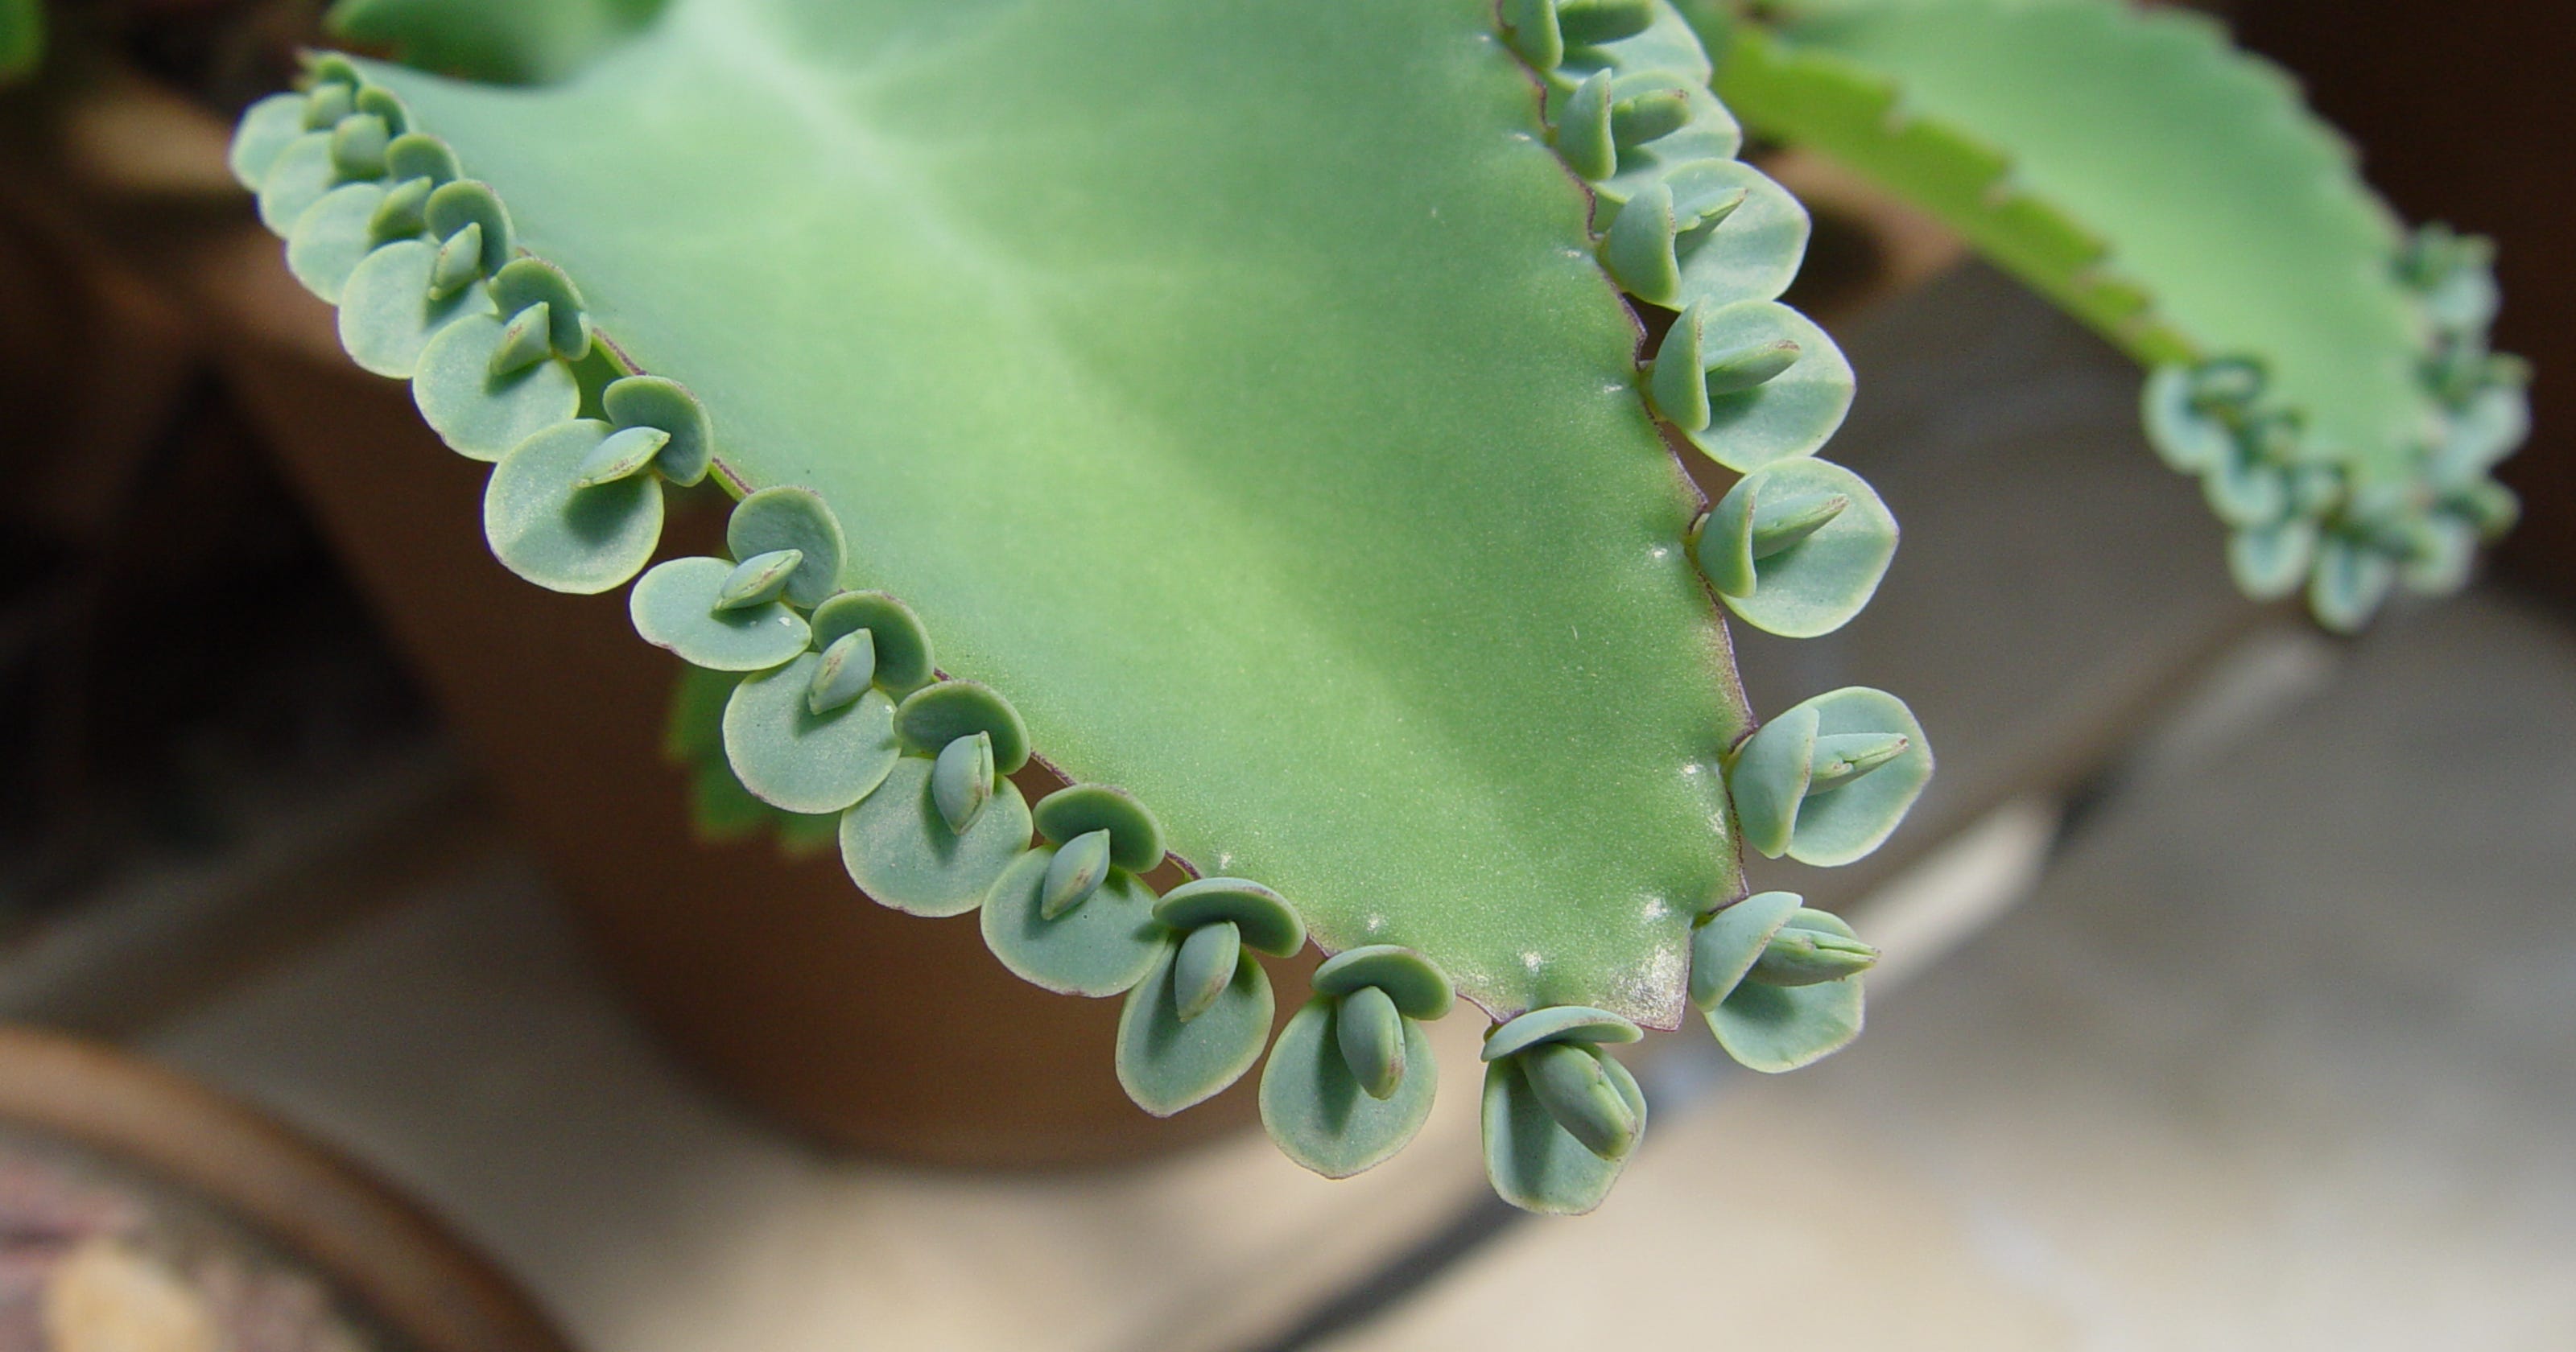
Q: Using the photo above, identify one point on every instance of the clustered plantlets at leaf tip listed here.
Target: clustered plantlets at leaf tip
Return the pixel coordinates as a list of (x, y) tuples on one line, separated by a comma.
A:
[(2322, 372), (1268, 424)]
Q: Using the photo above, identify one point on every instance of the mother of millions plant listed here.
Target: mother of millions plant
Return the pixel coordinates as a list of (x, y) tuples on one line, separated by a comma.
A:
[(1247, 407)]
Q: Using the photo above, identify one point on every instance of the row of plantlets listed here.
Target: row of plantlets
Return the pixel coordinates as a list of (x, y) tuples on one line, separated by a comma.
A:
[(828, 703)]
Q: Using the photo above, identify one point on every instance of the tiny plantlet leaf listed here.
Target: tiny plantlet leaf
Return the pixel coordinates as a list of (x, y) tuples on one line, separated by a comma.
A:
[(792, 518), (1320, 1114), (934, 716), (895, 635), (900, 850), (1098, 949), (459, 260), (479, 413), (1370, 1033), (525, 341), (961, 780), (797, 760), (1203, 965), (1577, 1091), (667, 407), (1775, 1028), (1419, 989), (1167, 1063), (333, 236), (1728, 943), (1074, 873), (1789, 412), (758, 580), (545, 523), (390, 307), (1533, 1162), (674, 606), (399, 214), (1807, 957), (1829, 779), (849, 665), (1265, 918), (1136, 836), (358, 146), (621, 454)]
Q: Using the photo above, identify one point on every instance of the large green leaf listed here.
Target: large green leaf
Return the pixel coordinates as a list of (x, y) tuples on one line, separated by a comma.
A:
[(1230, 385), (515, 41), (2174, 193)]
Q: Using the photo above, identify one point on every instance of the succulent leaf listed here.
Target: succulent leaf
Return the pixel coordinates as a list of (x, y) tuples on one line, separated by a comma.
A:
[(1059, 404), (2172, 192), (1322, 668)]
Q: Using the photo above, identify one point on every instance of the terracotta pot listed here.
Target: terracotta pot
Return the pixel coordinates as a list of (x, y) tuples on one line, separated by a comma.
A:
[(106, 1154)]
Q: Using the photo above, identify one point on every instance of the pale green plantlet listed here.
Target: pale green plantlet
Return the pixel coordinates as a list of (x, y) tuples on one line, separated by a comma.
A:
[(758, 580), (1074, 873), (548, 524), (1351, 1078), (333, 236), (358, 146), (798, 760), (1828, 780), (1135, 834), (526, 339), (1370, 1033), (621, 454), (1203, 966), (1743, 368), (401, 213), (328, 103), (1765, 1023), (1802, 957), (667, 407), (1577, 1091), (933, 716), (1167, 1063), (459, 260), (1771, 1026), (1797, 547), (848, 668), (1558, 1131), (1719, 378), (900, 644), (961, 779), (1201, 1018), (901, 851), (455, 205), (674, 606), (792, 517), (1100, 948)]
